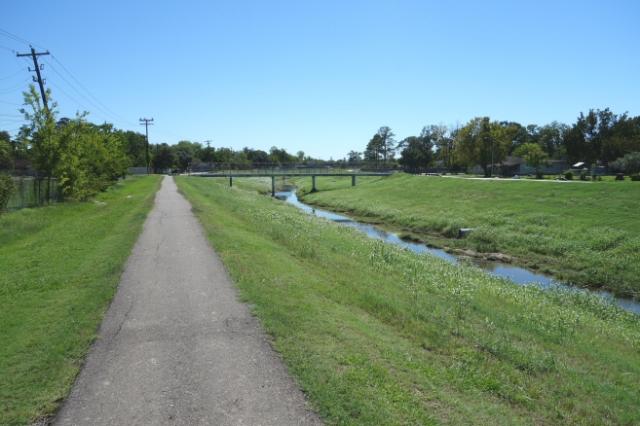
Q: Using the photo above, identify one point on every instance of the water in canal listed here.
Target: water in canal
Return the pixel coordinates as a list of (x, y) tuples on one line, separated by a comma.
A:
[(518, 275)]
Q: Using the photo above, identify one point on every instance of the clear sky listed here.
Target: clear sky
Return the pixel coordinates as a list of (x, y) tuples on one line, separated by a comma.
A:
[(322, 76)]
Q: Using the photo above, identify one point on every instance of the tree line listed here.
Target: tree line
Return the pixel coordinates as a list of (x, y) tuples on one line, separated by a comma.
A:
[(187, 155), (85, 158), (599, 137)]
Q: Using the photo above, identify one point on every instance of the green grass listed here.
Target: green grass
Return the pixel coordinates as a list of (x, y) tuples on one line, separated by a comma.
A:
[(59, 268), (377, 335), (584, 233)]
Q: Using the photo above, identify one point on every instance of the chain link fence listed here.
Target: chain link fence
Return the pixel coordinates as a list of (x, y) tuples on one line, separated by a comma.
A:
[(32, 192)]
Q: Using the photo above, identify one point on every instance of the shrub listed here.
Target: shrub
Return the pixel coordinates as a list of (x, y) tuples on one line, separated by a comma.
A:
[(635, 178), (584, 175), (620, 176), (568, 175), (629, 164), (6, 189)]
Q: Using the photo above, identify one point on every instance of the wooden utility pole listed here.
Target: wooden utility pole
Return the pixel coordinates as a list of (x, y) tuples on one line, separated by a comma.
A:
[(34, 55), (147, 122)]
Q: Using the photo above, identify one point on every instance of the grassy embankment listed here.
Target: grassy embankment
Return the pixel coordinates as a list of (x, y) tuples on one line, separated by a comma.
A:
[(584, 233), (378, 335), (59, 268)]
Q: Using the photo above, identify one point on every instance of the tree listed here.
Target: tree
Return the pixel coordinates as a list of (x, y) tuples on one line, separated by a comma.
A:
[(6, 154), (629, 164), (256, 157), (533, 155), (135, 146), (387, 143), (185, 153), (417, 152), (354, 158), (163, 158), (373, 152), (481, 142), (208, 154), (91, 157), (550, 137), (40, 134)]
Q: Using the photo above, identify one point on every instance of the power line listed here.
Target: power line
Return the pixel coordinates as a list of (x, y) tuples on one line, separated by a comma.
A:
[(102, 111), (12, 75), (97, 101), (9, 103), (7, 48), (13, 88), (18, 38)]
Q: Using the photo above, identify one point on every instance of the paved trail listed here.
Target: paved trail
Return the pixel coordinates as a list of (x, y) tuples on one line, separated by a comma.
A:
[(176, 347)]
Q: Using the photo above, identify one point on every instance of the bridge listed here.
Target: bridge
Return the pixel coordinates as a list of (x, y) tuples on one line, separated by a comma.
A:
[(273, 175)]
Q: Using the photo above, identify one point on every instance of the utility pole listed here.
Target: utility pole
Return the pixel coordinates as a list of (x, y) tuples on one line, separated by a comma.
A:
[(34, 55), (147, 122)]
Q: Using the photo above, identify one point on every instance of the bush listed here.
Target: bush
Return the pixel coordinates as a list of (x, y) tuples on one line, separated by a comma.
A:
[(584, 175), (620, 176), (629, 164), (568, 175), (6, 189), (635, 178)]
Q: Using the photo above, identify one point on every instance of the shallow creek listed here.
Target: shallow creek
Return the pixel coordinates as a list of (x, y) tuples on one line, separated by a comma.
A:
[(516, 274)]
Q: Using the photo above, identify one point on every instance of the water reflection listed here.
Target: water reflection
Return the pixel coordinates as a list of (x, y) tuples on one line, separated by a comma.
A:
[(516, 274)]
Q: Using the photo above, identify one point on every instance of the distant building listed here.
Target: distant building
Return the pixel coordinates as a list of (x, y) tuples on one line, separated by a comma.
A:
[(517, 166)]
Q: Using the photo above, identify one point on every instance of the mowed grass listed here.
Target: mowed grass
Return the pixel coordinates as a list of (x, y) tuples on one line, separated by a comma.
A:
[(584, 233), (59, 268), (377, 335)]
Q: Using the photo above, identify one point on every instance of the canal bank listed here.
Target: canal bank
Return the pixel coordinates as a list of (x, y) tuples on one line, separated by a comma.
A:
[(518, 275)]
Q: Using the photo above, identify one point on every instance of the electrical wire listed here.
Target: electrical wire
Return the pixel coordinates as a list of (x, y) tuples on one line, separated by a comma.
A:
[(97, 101), (12, 75), (12, 89), (18, 38), (69, 84)]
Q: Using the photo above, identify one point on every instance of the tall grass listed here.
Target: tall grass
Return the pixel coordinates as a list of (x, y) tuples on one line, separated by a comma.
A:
[(586, 234)]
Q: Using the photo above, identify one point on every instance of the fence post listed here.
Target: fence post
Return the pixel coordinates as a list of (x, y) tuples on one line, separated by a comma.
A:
[(353, 180), (273, 185), (313, 183)]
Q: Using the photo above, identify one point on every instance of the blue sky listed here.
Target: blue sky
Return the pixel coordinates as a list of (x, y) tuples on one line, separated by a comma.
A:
[(322, 76)]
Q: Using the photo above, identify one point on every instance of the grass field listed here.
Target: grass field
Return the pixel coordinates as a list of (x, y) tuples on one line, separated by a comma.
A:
[(584, 233), (377, 335), (59, 267)]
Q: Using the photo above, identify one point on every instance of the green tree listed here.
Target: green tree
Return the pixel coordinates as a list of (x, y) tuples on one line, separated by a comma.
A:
[(185, 154), (208, 154), (533, 155), (387, 143), (135, 146), (163, 158), (373, 151), (417, 152), (354, 158), (629, 164), (482, 142), (6, 154), (40, 134), (91, 157)]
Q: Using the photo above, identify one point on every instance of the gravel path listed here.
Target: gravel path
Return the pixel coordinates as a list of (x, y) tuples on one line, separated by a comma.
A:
[(176, 347)]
